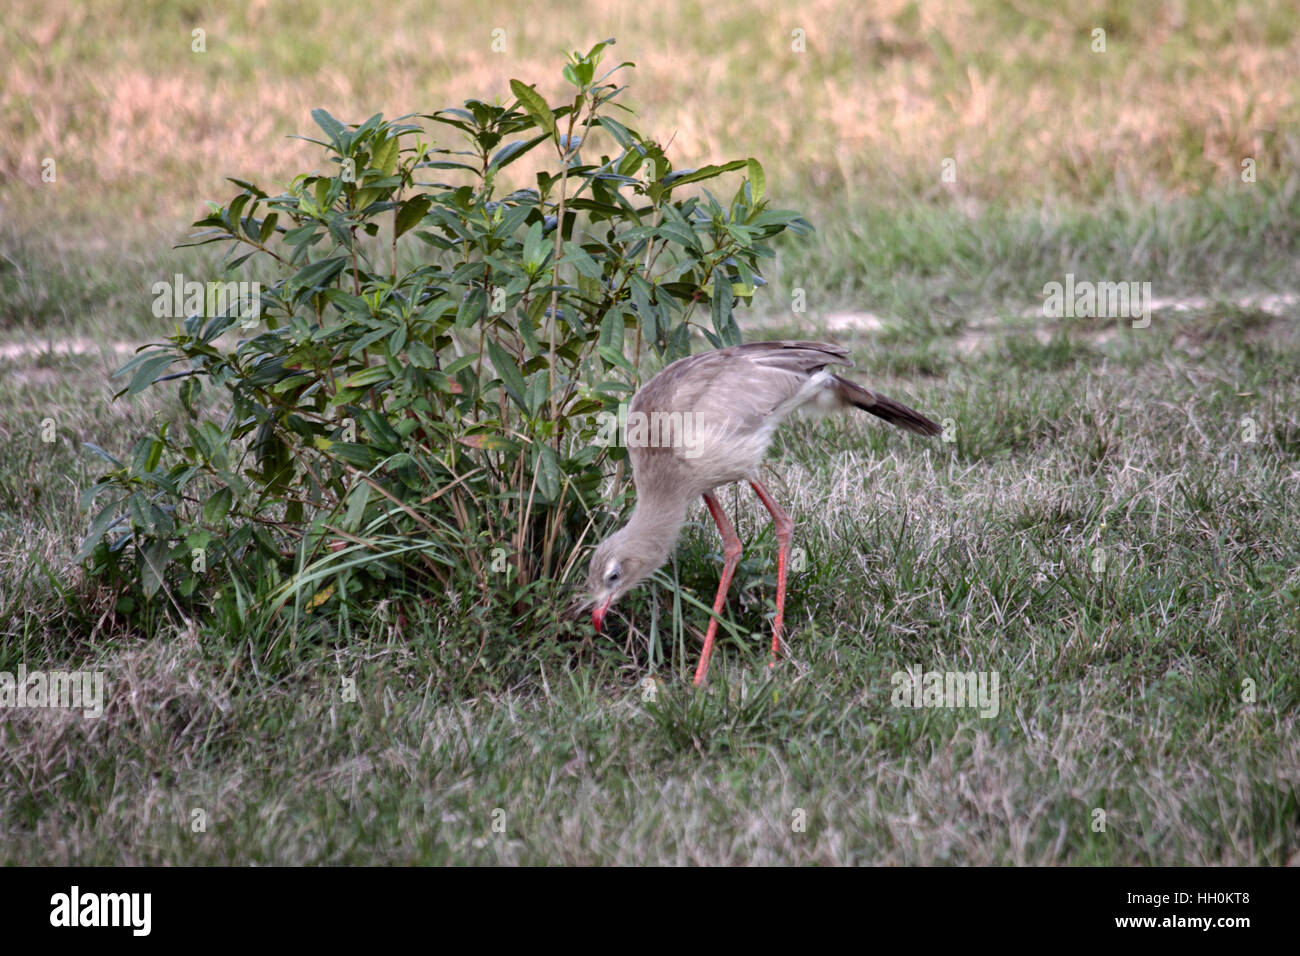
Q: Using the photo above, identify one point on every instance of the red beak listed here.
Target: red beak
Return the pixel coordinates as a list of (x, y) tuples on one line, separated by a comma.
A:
[(598, 616)]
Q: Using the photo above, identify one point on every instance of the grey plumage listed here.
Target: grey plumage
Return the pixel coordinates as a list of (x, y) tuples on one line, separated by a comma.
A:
[(705, 421)]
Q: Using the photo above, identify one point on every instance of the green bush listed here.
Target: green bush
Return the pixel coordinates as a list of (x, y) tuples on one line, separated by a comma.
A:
[(413, 396)]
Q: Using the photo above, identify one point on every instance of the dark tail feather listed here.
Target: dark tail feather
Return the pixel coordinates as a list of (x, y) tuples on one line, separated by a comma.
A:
[(896, 413)]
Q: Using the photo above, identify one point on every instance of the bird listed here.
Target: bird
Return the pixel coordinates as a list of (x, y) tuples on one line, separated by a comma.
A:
[(706, 421)]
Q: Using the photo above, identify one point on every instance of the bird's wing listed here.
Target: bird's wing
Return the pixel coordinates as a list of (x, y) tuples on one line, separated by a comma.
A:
[(802, 356), (744, 383), (707, 419)]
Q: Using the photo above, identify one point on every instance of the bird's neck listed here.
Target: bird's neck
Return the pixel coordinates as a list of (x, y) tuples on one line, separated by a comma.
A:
[(655, 524)]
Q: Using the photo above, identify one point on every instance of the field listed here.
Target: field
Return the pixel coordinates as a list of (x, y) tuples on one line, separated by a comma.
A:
[(1110, 524)]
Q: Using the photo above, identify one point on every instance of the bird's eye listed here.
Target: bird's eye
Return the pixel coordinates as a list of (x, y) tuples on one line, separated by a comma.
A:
[(615, 576)]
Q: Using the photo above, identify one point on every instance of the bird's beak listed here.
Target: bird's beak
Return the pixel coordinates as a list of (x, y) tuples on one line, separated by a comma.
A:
[(598, 615)]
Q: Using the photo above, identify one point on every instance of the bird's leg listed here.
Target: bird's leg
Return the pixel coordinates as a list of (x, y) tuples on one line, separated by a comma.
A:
[(784, 529), (730, 558)]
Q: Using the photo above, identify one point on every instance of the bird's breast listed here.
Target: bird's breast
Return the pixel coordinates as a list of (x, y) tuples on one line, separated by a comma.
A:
[(698, 452)]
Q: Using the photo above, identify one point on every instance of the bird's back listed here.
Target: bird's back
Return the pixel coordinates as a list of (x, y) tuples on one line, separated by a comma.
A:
[(708, 419)]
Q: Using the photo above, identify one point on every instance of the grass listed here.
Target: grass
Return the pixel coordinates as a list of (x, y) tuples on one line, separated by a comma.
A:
[(1100, 532), (1122, 689)]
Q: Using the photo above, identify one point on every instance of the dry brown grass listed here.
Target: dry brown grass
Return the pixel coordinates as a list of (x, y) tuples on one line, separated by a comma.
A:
[(882, 95)]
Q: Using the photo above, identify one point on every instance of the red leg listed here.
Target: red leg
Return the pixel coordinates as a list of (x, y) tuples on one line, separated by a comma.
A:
[(784, 530), (730, 558)]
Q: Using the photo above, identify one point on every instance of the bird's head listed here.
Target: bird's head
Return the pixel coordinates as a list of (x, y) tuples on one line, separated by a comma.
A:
[(616, 568)]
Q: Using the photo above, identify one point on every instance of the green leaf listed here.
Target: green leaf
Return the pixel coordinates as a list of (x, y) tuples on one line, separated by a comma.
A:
[(317, 274), (98, 528), (581, 260), (384, 156), (153, 566), (138, 507), (395, 341), (154, 456), (537, 392), (216, 507), (148, 373), (775, 217), (757, 180), (513, 219), (704, 172), (535, 105), (143, 355), (724, 322), (612, 329), (96, 450), (421, 355), (615, 357), (332, 127), (357, 501), (233, 212), (411, 213), (268, 227), (535, 247), (191, 389), (465, 361), (379, 429), (325, 194), (681, 235), (508, 153), (484, 439), (354, 453), (547, 469), (249, 187), (621, 134), (472, 308), (369, 376), (508, 371), (646, 313), (528, 334), (88, 495)]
